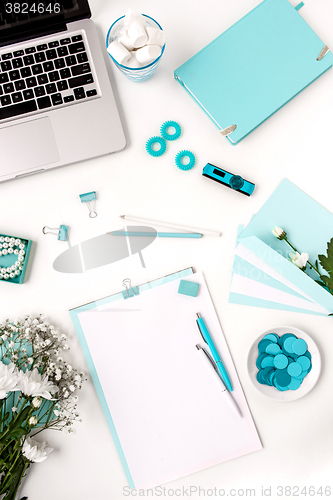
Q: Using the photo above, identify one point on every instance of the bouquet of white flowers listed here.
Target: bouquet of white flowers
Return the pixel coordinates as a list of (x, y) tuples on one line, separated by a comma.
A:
[(37, 392)]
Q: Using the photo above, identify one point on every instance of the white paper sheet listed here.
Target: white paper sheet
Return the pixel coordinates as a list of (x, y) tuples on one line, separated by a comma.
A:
[(252, 288), (170, 418)]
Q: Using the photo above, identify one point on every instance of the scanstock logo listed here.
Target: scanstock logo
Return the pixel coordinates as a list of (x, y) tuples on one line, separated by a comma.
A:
[(105, 249)]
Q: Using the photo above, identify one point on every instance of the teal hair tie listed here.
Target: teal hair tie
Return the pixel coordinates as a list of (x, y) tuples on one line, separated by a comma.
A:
[(155, 140), (185, 154), (175, 135)]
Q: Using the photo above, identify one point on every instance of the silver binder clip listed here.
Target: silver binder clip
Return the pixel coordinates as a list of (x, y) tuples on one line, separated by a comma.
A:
[(90, 200), (129, 290), (228, 130), (323, 53), (62, 231)]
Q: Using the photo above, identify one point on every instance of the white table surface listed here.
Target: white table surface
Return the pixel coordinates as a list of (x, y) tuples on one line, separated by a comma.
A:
[(296, 143)]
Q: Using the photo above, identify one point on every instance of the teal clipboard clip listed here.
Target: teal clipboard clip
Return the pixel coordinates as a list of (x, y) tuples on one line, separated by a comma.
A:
[(62, 231), (129, 291), (90, 200)]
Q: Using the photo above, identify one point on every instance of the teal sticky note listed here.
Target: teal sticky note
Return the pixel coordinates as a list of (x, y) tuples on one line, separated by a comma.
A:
[(188, 288)]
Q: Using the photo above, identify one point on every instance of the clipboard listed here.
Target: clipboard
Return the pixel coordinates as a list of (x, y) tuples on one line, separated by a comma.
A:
[(166, 414)]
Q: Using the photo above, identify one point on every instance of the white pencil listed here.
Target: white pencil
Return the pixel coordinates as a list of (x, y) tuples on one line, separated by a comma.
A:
[(171, 225)]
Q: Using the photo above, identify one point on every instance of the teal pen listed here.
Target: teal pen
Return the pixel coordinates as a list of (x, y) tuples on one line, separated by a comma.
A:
[(207, 338), (161, 235)]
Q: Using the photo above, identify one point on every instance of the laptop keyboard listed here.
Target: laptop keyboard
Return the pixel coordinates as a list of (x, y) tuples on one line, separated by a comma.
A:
[(44, 76)]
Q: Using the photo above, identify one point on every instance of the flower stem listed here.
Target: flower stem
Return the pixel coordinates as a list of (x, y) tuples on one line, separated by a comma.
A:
[(295, 250)]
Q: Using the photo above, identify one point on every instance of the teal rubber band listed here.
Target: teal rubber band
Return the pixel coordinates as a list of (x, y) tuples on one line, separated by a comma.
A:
[(170, 137), (183, 154), (154, 140)]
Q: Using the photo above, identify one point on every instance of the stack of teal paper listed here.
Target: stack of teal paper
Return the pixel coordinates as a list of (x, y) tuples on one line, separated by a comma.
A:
[(255, 67), (263, 275)]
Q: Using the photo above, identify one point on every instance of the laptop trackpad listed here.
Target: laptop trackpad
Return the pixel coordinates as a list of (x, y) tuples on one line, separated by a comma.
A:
[(27, 146)]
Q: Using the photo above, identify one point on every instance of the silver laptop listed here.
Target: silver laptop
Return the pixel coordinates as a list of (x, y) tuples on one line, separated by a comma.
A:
[(56, 102)]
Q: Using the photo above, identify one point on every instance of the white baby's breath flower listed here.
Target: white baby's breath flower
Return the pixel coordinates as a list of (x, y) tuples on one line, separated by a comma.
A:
[(35, 451), (33, 421), (279, 233), (31, 383), (299, 260), (8, 379), (14, 409), (30, 361)]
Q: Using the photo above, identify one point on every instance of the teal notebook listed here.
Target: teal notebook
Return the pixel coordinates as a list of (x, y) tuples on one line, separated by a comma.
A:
[(254, 68)]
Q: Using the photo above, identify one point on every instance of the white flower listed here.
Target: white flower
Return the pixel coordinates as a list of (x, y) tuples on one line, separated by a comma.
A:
[(11, 345), (14, 409), (33, 421), (299, 260), (31, 383), (36, 402), (35, 451), (8, 379), (279, 233), (30, 361)]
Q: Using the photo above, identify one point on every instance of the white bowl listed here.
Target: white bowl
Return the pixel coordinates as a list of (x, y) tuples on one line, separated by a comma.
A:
[(308, 382)]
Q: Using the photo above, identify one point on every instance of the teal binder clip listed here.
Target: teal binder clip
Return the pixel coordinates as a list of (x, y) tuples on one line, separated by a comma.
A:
[(90, 200), (129, 290), (62, 231)]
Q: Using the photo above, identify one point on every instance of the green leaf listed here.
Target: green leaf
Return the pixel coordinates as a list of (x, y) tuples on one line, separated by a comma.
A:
[(327, 262), (15, 428), (22, 417), (327, 280), (320, 283), (15, 480), (17, 432)]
